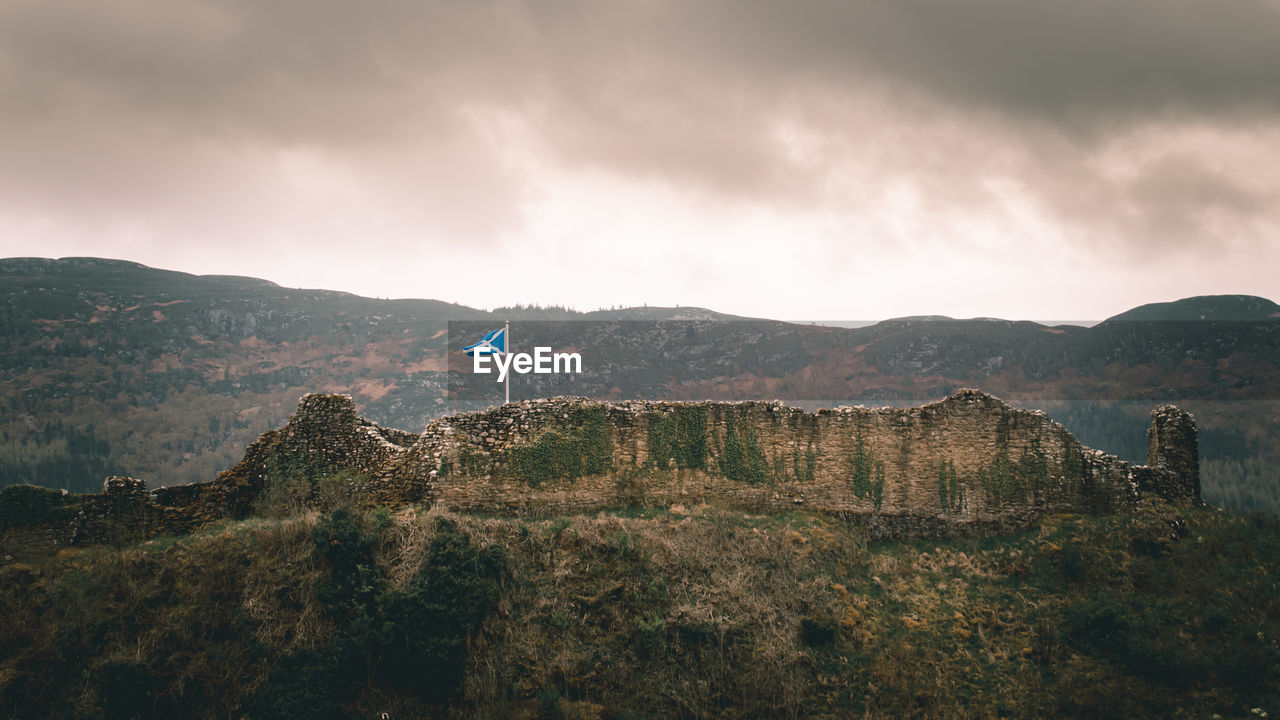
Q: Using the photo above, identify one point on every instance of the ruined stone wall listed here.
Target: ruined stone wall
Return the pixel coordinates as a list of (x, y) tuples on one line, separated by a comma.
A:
[(324, 437), (969, 463), (123, 512), (1173, 455)]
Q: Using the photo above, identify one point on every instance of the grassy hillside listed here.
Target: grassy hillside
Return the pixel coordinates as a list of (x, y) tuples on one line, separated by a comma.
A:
[(671, 613), (1220, 308)]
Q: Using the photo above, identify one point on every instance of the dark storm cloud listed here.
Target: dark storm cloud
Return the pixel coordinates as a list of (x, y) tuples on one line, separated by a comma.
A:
[(136, 97)]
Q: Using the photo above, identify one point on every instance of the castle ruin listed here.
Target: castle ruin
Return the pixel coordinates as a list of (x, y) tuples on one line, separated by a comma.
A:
[(967, 464)]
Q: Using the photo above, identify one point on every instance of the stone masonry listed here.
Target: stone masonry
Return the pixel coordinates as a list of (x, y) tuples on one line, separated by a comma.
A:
[(968, 463)]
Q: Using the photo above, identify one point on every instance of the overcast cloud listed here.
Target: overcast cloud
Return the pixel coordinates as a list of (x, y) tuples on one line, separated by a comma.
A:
[(840, 159)]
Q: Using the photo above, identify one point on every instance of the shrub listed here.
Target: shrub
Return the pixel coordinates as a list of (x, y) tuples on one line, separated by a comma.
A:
[(286, 495), (1072, 562), (652, 631), (353, 580), (301, 686), (126, 691), (815, 632), (412, 640), (425, 626)]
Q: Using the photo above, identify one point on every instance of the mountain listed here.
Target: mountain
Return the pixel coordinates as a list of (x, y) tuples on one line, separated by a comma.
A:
[(1209, 308), (113, 367)]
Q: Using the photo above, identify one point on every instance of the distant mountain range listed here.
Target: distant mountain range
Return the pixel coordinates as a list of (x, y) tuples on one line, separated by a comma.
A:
[(111, 366)]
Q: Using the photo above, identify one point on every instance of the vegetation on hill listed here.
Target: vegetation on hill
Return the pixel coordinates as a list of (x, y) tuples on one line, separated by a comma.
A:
[(1213, 308), (112, 367), (695, 612)]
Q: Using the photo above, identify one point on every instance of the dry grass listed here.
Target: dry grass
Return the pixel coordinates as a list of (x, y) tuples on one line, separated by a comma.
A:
[(689, 613)]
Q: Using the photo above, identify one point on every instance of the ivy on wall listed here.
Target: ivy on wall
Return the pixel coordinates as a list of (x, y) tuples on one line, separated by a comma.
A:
[(1073, 463), (580, 448), (741, 458), (1005, 480), (867, 473), (679, 435), (294, 464), (804, 471), (950, 492)]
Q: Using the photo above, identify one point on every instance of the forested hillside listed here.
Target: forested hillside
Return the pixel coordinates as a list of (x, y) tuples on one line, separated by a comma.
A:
[(112, 367)]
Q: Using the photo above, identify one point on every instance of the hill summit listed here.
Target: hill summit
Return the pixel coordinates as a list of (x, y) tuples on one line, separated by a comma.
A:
[(1209, 308)]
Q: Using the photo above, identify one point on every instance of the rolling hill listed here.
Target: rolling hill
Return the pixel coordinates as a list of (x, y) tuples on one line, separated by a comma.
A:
[(109, 366)]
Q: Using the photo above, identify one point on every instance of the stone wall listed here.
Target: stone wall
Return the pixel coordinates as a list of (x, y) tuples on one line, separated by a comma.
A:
[(969, 463), (324, 437), (1173, 455)]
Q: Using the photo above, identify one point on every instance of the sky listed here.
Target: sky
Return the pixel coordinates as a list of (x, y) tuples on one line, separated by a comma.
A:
[(831, 159)]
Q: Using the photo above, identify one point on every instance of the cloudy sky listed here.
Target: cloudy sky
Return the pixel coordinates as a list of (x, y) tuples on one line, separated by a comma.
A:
[(838, 159)]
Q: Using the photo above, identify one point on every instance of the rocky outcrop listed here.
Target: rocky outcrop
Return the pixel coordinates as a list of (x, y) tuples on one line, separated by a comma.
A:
[(969, 463)]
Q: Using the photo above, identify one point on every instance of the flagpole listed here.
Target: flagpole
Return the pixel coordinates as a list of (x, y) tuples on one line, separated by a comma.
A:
[(506, 345)]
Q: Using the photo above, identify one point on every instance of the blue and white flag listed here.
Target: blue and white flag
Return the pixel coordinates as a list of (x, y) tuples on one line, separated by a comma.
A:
[(494, 341)]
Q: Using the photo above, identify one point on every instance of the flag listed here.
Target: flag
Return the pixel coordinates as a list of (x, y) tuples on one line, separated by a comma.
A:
[(494, 341)]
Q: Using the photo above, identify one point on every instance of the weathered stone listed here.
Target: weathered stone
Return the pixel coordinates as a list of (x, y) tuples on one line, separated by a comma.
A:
[(967, 464), (1173, 456)]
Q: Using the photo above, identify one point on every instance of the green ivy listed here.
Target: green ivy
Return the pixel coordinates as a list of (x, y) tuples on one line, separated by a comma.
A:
[(1073, 463), (950, 493), (999, 480), (1005, 480), (1033, 470), (868, 474), (679, 435), (300, 464), (741, 459), (581, 449), (779, 466)]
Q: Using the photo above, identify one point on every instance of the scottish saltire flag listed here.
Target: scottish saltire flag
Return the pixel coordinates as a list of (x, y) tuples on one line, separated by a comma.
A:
[(494, 341)]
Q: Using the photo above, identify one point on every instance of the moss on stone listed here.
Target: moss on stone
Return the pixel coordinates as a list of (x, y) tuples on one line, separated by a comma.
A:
[(30, 505)]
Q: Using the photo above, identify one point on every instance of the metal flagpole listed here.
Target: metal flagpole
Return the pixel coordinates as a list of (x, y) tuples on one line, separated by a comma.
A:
[(506, 347)]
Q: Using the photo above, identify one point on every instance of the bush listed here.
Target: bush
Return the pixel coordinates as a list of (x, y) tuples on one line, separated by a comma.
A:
[(425, 626), (412, 640), (286, 495), (301, 686), (354, 580), (1073, 566), (815, 632), (126, 690)]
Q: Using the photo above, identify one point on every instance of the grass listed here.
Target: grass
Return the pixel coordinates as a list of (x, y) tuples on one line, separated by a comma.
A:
[(695, 612)]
